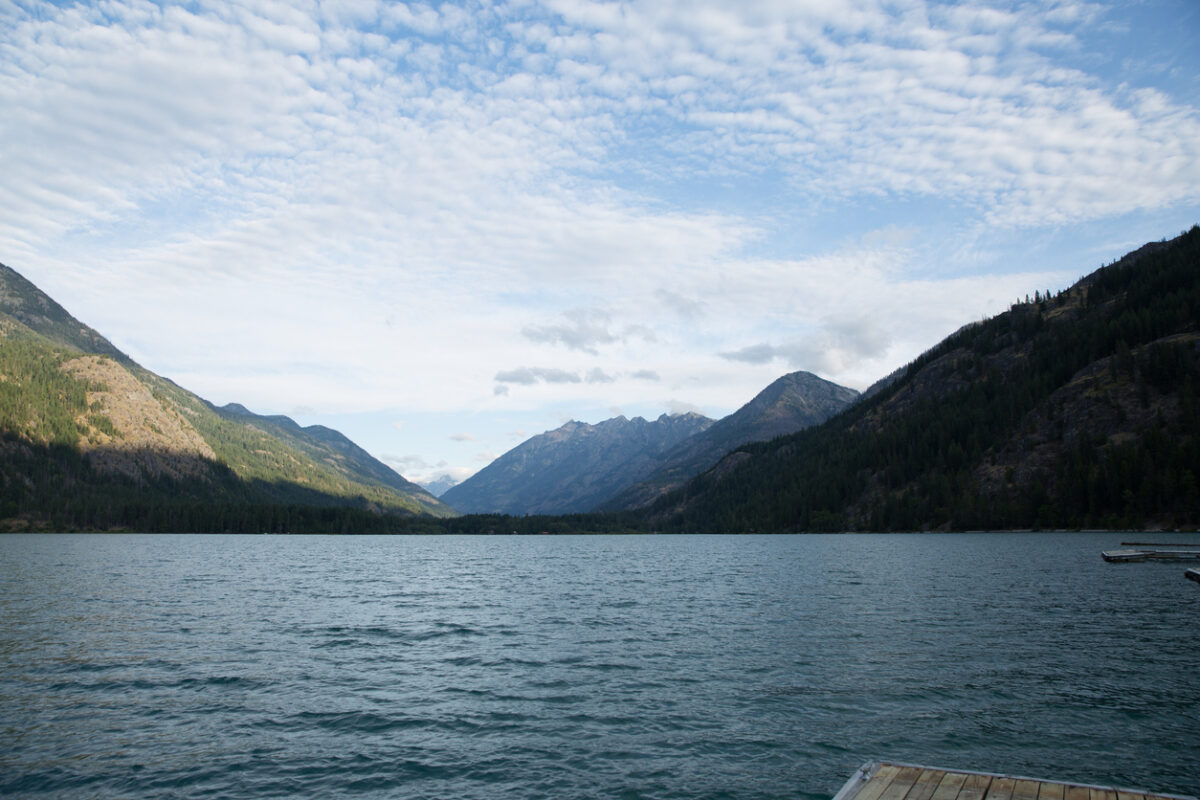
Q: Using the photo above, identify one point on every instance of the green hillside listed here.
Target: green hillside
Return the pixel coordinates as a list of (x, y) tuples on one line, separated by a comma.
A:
[(1075, 410), (91, 440)]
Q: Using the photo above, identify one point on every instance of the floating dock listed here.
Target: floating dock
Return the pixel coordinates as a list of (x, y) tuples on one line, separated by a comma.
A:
[(878, 780), (1174, 554)]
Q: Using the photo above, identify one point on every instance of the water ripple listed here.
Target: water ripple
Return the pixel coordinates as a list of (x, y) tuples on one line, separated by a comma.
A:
[(583, 667)]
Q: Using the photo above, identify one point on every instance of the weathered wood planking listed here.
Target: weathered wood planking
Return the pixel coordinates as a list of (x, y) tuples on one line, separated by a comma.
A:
[(1001, 789), (894, 781), (950, 786), (926, 784), (1052, 791)]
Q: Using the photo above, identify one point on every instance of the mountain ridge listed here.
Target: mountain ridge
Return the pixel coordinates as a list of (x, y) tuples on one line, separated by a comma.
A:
[(788, 404), (332, 446), (1073, 410), (88, 437), (574, 467)]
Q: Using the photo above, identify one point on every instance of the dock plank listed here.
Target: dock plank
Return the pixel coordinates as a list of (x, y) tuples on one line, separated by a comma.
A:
[(902, 784), (949, 786), (1025, 790), (975, 787), (896, 781), (1048, 790), (926, 784), (1002, 789), (878, 782)]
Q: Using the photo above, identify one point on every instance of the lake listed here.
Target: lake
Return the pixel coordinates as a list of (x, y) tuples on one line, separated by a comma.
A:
[(162, 666)]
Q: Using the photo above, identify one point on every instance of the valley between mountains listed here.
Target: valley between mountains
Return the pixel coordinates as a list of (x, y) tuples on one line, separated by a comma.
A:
[(1077, 410)]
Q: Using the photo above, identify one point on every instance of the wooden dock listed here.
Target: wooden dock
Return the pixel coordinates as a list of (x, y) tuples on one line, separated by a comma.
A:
[(895, 781), (1174, 554)]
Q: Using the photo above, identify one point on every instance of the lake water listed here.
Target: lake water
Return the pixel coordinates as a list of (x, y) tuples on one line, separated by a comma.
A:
[(164, 666)]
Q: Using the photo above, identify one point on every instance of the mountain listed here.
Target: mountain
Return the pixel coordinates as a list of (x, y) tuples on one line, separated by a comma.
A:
[(792, 403), (1067, 411), (573, 468), (439, 486), (24, 303), (91, 440), (327, 446)]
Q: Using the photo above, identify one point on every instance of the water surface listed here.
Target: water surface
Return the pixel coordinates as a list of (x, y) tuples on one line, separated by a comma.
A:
[(160, 666)]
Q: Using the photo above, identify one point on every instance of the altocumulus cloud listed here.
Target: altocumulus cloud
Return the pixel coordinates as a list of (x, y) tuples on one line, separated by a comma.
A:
[(246, 168)]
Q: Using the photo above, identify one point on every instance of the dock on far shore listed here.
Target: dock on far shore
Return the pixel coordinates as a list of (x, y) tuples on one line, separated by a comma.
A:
[(878, 780)]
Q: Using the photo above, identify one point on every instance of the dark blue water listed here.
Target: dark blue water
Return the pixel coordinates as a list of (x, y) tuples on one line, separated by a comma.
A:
[(578, 667)]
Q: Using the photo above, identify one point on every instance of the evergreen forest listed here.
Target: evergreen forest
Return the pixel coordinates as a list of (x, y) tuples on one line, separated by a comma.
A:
[(1071, 410)]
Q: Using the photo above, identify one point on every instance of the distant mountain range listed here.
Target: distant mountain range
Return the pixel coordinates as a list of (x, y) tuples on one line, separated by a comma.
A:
[(439, 486), (790, 404), (1073, 410), (622, 464), (575, 467), (91, 440)]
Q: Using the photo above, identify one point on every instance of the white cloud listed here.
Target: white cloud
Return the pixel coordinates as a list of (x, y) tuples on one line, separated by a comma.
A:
[(405, 464), (597, 375), (280, 204), (835, 346), (753, 354), (678, 407), (585, 330), (684, 306), (527, 376)]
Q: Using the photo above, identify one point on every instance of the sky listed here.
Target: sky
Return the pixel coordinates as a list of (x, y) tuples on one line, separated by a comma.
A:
[(444, 228)]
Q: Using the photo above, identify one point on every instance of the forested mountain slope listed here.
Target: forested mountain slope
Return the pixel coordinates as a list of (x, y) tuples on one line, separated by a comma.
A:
[(792, 403), (331, 448), (91, 440), (1076, 410), (574, 467)]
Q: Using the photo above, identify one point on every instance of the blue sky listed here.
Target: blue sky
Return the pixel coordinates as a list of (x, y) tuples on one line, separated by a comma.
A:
[(444, 228)]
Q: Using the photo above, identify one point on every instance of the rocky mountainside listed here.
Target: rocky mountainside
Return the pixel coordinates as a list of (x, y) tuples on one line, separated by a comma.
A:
[(792, 403), (1073, 410), (573, 468), (91, 440)]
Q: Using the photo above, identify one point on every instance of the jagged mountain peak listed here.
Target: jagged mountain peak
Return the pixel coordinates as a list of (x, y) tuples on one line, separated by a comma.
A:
[(573, 467), (790, 403)]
